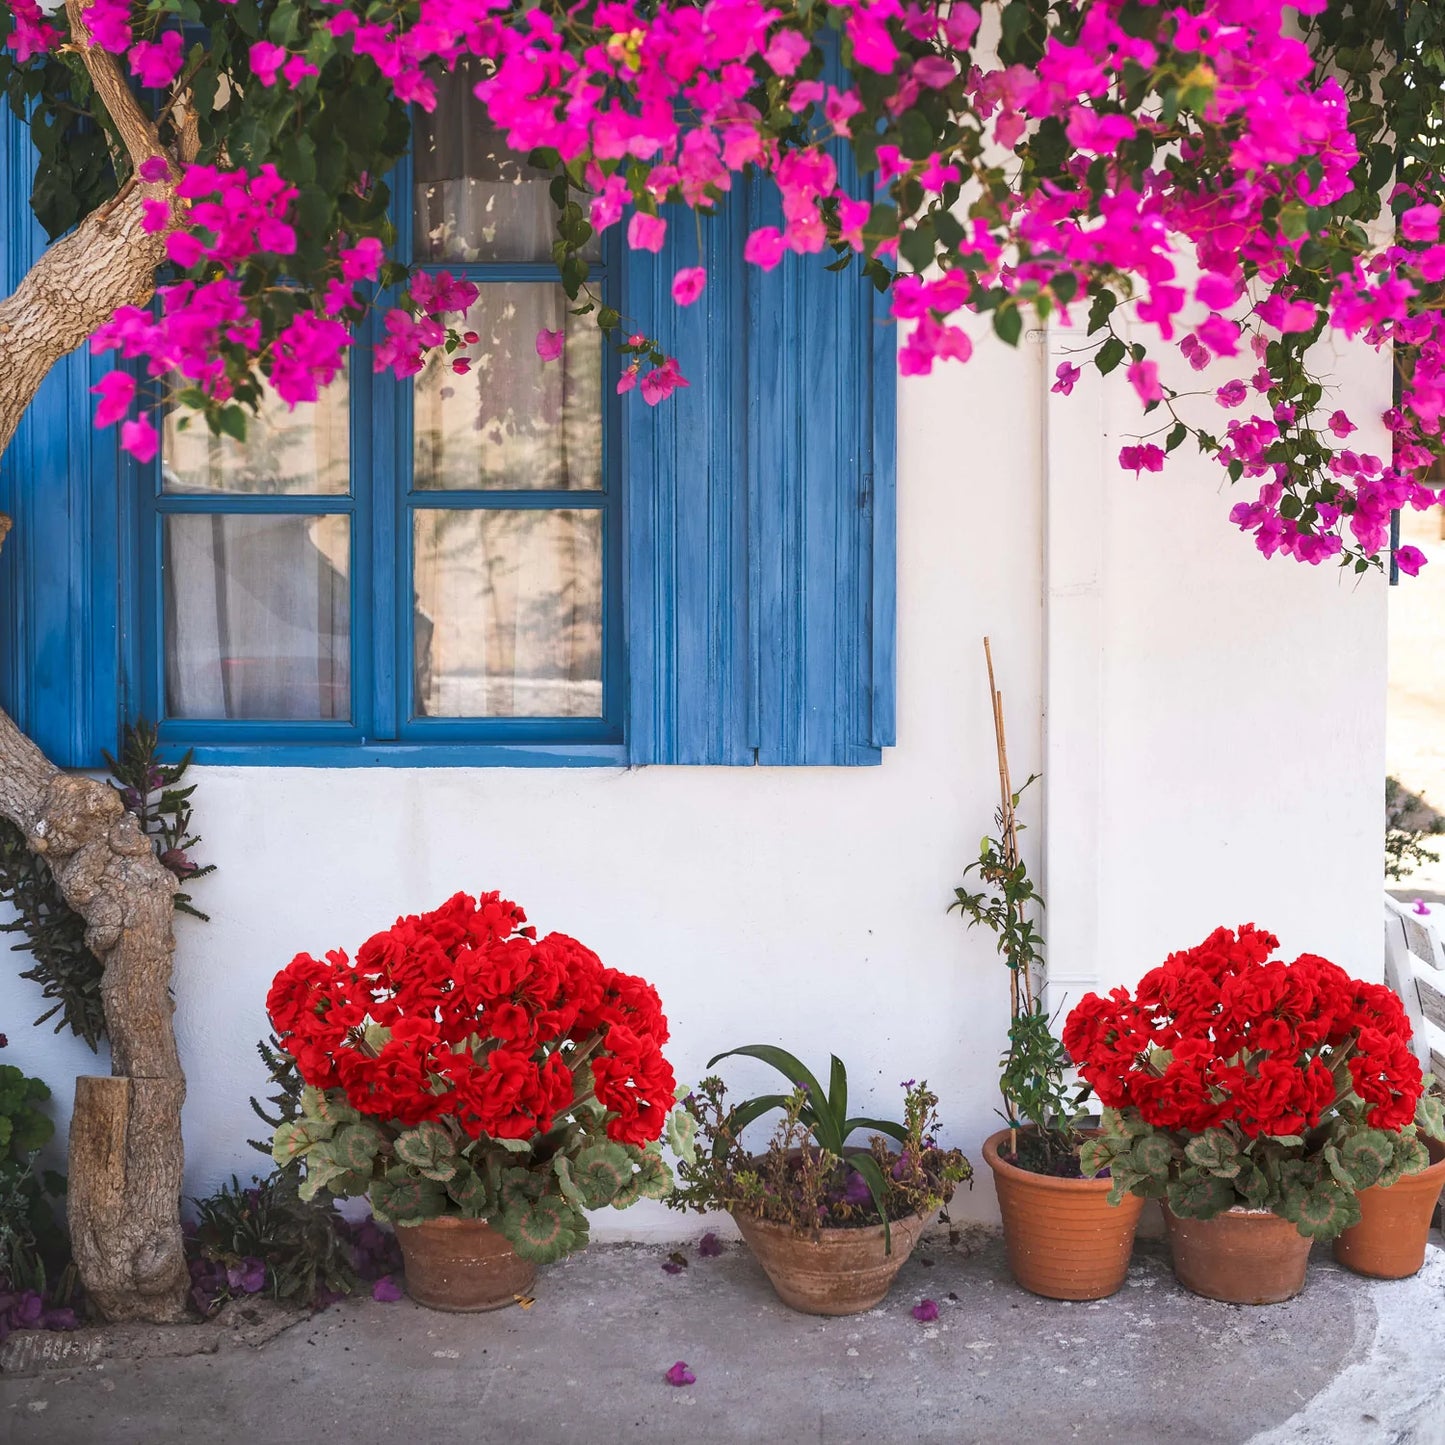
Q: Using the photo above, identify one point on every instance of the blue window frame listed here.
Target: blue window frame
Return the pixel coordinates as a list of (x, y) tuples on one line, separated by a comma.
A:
[(748, 537)]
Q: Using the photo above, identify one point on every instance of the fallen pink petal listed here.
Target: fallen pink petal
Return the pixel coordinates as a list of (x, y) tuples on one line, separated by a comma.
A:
[(925, 1311), (1421, 907), (386, 1290), (679, 1374), (709, 1246)]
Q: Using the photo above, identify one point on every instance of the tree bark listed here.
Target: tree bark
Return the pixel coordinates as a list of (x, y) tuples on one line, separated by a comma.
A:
[(126, 1149)]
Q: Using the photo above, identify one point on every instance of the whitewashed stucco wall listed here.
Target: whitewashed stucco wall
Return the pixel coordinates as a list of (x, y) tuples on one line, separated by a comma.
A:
[(1215, 752)]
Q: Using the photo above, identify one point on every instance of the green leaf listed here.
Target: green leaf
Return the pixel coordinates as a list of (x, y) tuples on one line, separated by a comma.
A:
[(1152, 1155), (293, 1140), (1109, 355), (1366, 1155), (599, 1173), (653, 1180), (1321, 1212), (429, 1148), (681, 1134), (1008, 324), (544, 1231), (1214, 1151), (867, 1167), (875, 1126), (404, 1197), (468, 1191), (356, 1146), (1201, 1197), (838, 1090)]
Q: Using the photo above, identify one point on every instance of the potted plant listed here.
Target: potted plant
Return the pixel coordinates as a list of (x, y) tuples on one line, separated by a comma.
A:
[(1395, 1211), (1066, 1236), (1255, 1098), (483, 1087), (830, 1223)]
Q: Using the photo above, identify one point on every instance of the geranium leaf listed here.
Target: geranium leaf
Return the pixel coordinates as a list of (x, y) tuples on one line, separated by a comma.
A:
[(430, 1148)]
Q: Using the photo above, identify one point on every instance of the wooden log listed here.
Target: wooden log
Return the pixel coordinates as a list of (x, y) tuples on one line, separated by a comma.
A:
[(124, 1196)]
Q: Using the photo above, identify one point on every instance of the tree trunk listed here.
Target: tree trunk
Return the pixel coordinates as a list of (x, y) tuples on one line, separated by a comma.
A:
[(126, 1150)]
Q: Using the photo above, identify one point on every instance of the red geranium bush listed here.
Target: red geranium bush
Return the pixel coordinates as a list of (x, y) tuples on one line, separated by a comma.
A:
[(460, 1064), (1230, 1077)]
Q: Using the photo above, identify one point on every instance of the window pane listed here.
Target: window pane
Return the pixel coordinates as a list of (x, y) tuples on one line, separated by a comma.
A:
[(286, 453), (508, 619), (514, 421), (474, 200), (258, 617)]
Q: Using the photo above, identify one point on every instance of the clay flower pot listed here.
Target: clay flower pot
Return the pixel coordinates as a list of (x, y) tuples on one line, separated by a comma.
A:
[(1389, 1241), (836, 1271), (461, 1264), (1063, 1238), (1243, 1256)]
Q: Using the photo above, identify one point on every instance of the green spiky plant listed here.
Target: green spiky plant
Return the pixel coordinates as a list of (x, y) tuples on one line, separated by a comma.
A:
[(807, 1173)]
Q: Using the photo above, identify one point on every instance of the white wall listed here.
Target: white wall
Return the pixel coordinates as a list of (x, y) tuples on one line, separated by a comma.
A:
[(1215, 756)]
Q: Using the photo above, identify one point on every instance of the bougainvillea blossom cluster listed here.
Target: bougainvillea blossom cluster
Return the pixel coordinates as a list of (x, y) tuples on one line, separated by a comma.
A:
[(1181, 176), (1224, 1034), (465, 1013)]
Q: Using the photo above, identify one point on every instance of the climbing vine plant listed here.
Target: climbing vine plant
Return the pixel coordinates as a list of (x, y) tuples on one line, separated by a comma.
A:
[(1237, 182)]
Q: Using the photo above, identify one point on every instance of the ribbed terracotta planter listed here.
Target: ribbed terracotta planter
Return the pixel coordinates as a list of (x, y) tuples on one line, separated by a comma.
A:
[(1063, 1238), (1243, 1256), (836, 1271), (461, 1265), (1389, 1241)]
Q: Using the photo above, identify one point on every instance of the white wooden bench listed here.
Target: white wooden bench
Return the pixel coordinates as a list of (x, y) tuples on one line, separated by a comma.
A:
[(1415, 969)]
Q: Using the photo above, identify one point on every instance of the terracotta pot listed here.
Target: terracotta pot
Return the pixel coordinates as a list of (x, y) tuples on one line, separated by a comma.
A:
[(1063, 1237), (836, 1271), (1389, 1241), (461, 1264), (1243, 1256)]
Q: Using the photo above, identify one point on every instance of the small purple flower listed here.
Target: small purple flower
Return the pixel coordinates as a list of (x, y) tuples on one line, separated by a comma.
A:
[(386, 1290), (671, 1266), (679, 1374), (925, 1311), (709, 1246), (903, 1167), (855, 1190), (249, 1277)]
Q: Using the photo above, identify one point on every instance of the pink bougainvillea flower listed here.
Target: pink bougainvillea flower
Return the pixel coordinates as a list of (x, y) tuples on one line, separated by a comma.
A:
[(155, 168), (156, 65), (155, 215), (1066, 375), (1232, 393), (386, 1290), (687, 284), (764, 247), (709, 1246), (1410, 560), (1421, 223), (646, 233), (679, 1374), (1147, 458), (628, 379), (550, 344), (925, 1311), (266, 61), (1340, 424), (662, 381), (1421, 907), (1144, 378), (140, 440), (116, 390)]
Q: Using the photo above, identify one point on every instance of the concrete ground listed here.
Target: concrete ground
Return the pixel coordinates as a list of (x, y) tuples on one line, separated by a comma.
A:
[(1350, 1361)]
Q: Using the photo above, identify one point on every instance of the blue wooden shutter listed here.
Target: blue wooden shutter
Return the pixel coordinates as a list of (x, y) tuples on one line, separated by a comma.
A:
[(59, 566), (761, 510)]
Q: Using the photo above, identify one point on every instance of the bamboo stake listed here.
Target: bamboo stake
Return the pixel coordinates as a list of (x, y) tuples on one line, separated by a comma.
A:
[(1008, 836)]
